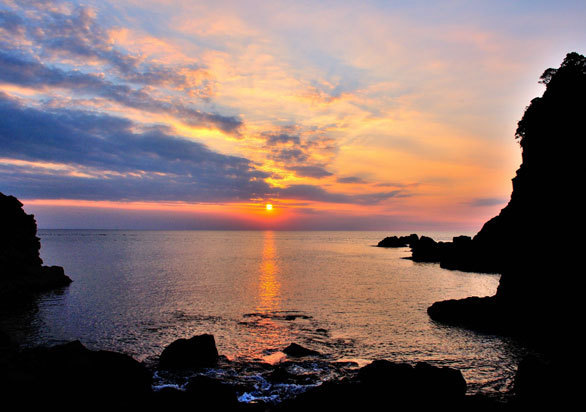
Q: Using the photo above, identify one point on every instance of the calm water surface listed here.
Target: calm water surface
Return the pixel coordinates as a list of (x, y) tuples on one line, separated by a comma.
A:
[(136, 291)]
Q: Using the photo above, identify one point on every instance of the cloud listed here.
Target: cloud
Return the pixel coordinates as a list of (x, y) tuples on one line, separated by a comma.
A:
[(289, 155), (15, 69), (350, 179), (115, 161), (487, 201), (75, 154), (76, 35), (281, 138), (61, 49), (318, 194), (310, 171)]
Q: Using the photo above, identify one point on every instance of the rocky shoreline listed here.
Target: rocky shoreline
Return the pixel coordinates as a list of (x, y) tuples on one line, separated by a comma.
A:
[(71, 371)]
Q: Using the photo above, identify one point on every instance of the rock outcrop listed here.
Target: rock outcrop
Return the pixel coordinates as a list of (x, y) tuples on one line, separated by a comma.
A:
[(296, 350), (21, 271), (398, 241), (197, 352), (530, 241)]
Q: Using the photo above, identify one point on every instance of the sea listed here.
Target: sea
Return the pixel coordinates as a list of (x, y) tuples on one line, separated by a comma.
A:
[(257, 292)]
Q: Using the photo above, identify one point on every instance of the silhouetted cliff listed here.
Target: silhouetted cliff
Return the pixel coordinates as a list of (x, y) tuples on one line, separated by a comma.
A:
[(532, 241), (21, 270)]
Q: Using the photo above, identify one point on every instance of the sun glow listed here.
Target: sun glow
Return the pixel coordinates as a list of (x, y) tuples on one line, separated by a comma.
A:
[(269, 207)]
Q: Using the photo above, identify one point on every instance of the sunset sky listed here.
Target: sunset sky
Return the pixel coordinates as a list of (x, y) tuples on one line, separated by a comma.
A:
[(381, 115)]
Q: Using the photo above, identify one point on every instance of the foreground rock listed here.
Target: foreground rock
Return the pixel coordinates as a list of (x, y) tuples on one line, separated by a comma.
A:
[(197, 352), (74, 375), (384, 385), (72, 372), (21, 271)]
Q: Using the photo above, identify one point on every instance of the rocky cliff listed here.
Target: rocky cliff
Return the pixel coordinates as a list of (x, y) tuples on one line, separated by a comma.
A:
[(532, 241), (21, 269)]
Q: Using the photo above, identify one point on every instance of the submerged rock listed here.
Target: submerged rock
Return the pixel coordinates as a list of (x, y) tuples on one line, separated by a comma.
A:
[(21, 270), (296, 350), (197, 352)]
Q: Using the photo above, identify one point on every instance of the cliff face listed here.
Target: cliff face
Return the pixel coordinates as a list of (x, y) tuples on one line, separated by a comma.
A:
[(19, 245), (531, 242), (21, 270), (532, 234)]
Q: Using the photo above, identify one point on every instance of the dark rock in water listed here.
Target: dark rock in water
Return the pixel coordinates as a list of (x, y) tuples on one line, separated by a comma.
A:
[(21, 270), (72, 372), (296, 350), (385, 385), (198, 352), (427, 250), (475, 312), (402, 241)]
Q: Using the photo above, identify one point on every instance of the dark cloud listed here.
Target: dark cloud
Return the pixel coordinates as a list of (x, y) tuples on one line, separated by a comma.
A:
[(152, 165), (110, 160), (487, 201), (310, 171), (316, 193), (16, 69), (12, 23), (351, 179), (287, 155), (282, 138)]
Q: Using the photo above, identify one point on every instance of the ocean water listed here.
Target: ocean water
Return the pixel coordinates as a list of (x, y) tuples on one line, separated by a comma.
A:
[(258, 291)]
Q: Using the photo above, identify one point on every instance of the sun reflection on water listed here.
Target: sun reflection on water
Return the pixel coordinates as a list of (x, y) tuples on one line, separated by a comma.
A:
[(269, 333), (269, 285)]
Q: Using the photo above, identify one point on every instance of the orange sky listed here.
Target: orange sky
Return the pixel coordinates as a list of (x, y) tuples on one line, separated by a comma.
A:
[(343, 115)]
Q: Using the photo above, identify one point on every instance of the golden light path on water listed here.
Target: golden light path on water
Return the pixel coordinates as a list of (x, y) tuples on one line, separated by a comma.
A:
[(269, 332), (269, 285)]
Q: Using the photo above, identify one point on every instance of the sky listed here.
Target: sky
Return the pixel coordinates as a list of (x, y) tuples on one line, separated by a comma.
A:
[(344, 115)]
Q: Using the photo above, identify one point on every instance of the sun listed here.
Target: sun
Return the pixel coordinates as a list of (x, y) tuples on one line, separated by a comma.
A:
[(269, 207)]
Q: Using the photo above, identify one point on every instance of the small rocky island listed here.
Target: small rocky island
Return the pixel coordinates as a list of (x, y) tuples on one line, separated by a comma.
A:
[(22, 274)]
